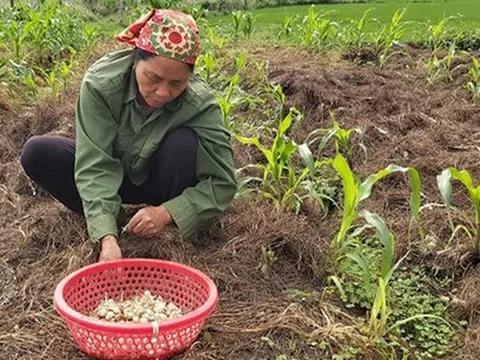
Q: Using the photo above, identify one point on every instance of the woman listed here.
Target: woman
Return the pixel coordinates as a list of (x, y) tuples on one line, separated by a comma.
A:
[(148, 131)]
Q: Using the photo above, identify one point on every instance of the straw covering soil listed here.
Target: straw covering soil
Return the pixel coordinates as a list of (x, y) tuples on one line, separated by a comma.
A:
[(403, 120)]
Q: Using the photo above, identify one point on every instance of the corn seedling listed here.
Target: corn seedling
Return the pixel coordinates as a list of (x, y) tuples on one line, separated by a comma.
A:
[(280, 181), (355, 35), (355, 192), (378, 324), (90, 32), (318, 32), (241, 62), (287, 26), (237, 17), (228, 101), (248, 22), (276, 93), (206, 66), (29, 81), (261, 71), (50, 78), (389, 36), (473, 86), (436, 33), (342, 138), (444, 181), (441, 69), (379, 312)]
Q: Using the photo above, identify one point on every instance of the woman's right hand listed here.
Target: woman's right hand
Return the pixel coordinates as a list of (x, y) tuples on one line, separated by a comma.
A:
[(110, 249)]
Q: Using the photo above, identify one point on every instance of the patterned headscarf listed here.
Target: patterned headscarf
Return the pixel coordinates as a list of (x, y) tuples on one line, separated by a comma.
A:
[(166, 33)]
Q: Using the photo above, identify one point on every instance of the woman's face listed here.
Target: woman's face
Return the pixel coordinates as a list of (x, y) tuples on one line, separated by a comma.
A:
[(161, 79)]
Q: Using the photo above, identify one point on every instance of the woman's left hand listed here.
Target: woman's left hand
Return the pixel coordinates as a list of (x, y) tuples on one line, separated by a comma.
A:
[(149, 221)]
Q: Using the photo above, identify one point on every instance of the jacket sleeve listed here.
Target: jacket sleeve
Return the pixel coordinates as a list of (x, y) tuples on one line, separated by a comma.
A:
[(215, 172), (98, 175)]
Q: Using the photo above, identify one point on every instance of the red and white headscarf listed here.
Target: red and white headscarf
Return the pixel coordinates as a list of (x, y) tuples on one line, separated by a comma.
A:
[(166, 33)]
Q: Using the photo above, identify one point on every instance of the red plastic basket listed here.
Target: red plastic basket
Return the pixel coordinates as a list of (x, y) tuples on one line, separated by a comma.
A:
[(80, 293)]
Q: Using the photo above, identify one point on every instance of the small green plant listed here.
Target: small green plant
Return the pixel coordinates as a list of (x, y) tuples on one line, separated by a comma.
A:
[(355, 36), (287, 26), (64, 70), (473, 86), (444, 181), (50, 78), (206, 66), (237, 17), (29, 81), (280, 181), (389, 36), (356, 192), (229, 100), (441, 68), (248, 22), (415, 315), (318, 32), (436, 34), (342, 138)]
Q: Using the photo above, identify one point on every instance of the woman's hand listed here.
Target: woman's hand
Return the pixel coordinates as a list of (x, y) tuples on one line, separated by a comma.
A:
[(149, 221), (110, 249)]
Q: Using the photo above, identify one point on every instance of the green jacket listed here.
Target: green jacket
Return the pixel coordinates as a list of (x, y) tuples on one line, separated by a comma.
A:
[(115, 139)]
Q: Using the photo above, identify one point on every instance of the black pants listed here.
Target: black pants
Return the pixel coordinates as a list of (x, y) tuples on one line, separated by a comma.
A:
[(49, 161)]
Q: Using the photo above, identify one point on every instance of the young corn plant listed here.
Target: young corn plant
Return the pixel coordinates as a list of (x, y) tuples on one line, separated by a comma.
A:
[(380, 311), (356, 36), (389, 36), (248, 22), (51, 80), (444, 181), (355, 192), (318, 32), (280, 181), (436, 34), (241, 62), (30, 83), (441, 68), (229, 99), (64, 70), (342, 138), (288, 25), (206, 66), (473, 86), (237, 17), (275, 91)]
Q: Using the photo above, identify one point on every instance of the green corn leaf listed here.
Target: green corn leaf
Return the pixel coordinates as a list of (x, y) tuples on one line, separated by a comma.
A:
[(287, 150), (338, 283), (385, 236), (366, 271), (349, 184), (256, 142), (285, 124), (365, 188), (307, 158), (415, 197), (445, 186), (379, 307), (465, 178)]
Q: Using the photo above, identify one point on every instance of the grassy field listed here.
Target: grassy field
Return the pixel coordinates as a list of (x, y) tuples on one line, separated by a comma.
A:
[(467, 13)]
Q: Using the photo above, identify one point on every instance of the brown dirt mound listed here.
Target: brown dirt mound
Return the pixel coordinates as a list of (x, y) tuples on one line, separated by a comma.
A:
[(403, 121)]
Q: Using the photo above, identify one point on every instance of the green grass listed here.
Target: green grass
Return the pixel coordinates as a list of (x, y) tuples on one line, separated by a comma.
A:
[(418, 13)]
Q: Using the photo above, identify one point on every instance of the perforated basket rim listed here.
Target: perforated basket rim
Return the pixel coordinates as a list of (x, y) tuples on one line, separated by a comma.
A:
[(197, 315)]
